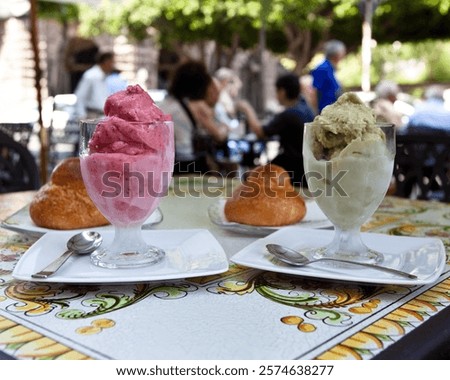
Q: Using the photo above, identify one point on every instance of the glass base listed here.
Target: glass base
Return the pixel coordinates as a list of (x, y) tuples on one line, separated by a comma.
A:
[(347, 245), (127, 259), (368, 256), (128, 250)]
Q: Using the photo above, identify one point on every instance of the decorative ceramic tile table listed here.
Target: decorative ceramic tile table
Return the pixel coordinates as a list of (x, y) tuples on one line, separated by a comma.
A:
[(241, 314)]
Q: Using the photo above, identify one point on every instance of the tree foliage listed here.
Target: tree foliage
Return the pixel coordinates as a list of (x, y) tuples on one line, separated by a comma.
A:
[(408, 21), (295, 28), (57, 11)]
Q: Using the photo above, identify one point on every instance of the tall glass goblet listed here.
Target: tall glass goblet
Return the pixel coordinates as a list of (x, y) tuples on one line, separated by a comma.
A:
[(349, 179), (126, 167)]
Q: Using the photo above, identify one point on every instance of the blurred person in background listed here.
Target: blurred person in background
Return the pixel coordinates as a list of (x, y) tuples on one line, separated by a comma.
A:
[(92, 90), (384, 104), (79, 56), (228, 108), (307, 90), (116, 82), (230, 85), (195, 126), (288, 125), (326, 86), (431, 113)]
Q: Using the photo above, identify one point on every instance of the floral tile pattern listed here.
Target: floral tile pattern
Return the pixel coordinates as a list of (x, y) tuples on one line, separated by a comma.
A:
[(347, 320)]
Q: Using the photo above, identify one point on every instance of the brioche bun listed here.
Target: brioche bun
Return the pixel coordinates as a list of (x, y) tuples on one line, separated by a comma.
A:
[(266, 198), (63, 203)]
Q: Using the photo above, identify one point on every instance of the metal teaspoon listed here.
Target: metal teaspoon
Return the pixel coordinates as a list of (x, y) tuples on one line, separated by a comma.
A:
[(82, 243), (295, 258)]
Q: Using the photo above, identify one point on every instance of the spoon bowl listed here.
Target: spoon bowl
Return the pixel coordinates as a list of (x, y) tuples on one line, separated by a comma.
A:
[(292, 257), (82, 243), (85, 242)]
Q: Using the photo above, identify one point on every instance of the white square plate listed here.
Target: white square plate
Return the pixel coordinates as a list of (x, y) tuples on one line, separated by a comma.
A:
[(189, 253), (21, 222), (314, 218), (424, 257)]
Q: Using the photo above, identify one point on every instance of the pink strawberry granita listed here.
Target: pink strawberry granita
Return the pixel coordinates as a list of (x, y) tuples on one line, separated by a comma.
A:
[(130, 160)]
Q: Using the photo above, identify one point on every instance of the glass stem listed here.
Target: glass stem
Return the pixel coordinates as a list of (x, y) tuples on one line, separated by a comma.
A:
[(128, 250), (348, 242), (128, 238)]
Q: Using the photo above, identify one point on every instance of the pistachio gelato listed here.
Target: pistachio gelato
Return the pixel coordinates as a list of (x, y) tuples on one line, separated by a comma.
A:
[(348, 163), (341, 123)]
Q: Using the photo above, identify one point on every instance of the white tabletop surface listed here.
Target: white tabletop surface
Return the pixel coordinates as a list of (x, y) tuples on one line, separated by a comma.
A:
[(192, 212)]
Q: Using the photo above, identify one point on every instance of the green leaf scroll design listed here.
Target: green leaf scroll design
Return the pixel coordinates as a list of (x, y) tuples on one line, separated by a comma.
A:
[(104, 303), (328, 303)]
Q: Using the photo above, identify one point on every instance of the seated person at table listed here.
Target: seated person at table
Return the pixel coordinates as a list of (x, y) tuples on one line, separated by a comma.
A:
[(226, 108), (194, 124), (384, 105), (288, 125), (432, 113)]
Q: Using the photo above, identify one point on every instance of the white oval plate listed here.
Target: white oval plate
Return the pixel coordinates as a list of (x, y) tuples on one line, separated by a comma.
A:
[(424, 257), (21, 222), (189, 253), (314, 218)]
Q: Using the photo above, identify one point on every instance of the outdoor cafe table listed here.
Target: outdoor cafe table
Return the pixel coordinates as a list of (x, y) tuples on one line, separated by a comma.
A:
[(242, 314)]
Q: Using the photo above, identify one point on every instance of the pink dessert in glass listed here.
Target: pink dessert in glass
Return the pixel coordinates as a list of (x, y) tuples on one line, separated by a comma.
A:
[(127, 162)]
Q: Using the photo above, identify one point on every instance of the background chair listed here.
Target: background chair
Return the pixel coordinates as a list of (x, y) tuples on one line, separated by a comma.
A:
[(18, 169), (20, 132), (64, 131), (422, 164)]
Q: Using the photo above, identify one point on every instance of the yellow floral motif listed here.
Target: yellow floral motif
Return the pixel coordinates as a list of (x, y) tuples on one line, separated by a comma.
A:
[(234, 269), (233, 287), (96, 327), (299, 322), (434, 297), (379, 220), (405, 315), (347, 297), (407, 229), (306, 327), (2, 298), (420, 306), (385, 327), (32, 297), (443, 287), (42, 347), (103, 323), (6, 323), (292, 320), (25, 343), (73, 355), (340, 352), (18, 334), (437, 232), (366, 307), (88, 330), (367, 342), (363, 340)]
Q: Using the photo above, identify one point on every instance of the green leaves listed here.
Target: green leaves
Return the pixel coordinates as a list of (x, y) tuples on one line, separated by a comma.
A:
[(295, 28)]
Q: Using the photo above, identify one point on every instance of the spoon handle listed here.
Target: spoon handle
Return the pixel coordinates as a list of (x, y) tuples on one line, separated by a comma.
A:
[(374, 266), (53, 266)]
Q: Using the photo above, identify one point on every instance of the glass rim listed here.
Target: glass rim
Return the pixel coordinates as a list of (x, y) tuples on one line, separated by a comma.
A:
[(103, 119), (377, 124)]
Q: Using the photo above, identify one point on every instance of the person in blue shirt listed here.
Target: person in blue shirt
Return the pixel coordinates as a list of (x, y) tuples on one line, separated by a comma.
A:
[(288, 125), (325, 84), (115, 82)]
